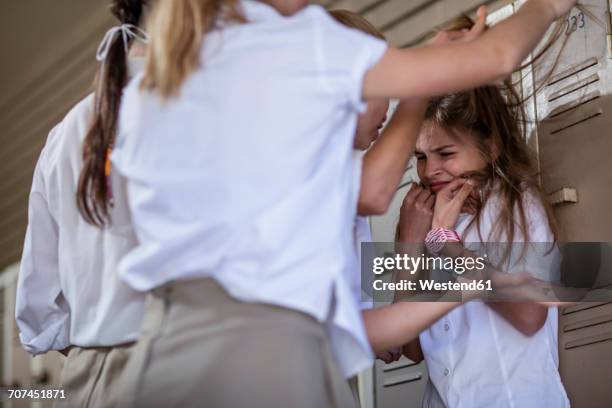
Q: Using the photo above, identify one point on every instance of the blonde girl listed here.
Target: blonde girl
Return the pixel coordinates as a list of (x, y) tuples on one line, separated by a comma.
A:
[(236, 147)]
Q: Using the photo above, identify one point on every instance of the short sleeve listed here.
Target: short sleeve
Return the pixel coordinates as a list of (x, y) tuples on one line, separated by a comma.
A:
[(344, 55)]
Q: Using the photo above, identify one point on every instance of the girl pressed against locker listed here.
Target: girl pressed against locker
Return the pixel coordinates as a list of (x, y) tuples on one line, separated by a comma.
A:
[(486, 354), (236, 148)]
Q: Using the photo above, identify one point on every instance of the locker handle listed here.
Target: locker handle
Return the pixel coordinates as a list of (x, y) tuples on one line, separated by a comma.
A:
[(402, 379), (566, 195), (396, 365), (587, 341)]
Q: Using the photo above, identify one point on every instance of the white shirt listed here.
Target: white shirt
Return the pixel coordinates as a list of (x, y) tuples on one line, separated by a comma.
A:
[(246, 177), (362, 233), (475, 358), (68, 292)]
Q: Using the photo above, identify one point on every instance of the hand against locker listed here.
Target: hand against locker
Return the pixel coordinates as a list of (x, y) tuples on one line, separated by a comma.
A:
[(560, 7), (390, 356), (465, 35)]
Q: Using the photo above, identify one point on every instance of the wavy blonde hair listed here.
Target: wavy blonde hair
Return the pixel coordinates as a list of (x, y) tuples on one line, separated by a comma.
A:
[(177, 29)]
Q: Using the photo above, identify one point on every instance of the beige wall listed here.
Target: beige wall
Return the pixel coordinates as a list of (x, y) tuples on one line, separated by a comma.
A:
[(48, 64)]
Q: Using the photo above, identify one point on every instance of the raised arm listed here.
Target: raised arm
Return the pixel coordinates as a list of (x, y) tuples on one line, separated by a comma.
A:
[(400, 323), (439, 69), (385, 163)]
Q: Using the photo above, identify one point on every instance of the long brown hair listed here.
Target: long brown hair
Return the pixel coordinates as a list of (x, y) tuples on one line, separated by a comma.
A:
[(177, 33), (92, 193), (493, 119)]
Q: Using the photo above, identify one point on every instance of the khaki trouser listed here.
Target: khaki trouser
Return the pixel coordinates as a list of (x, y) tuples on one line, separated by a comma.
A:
[(199, 347), (90, 376)]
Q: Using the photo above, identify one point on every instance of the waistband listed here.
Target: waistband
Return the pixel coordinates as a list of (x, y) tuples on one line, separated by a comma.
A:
[(208, 293)]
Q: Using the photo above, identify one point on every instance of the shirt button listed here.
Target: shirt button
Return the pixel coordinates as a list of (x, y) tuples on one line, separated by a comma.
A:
[(446, 372), (446, 327)]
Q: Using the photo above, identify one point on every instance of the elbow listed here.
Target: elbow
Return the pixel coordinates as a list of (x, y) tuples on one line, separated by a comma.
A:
[(370, 208), (507, 60), (530, 325), (374, 203)]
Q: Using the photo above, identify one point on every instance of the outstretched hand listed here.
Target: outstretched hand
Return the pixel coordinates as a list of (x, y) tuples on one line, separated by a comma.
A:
[(466, 35), (560, 7)]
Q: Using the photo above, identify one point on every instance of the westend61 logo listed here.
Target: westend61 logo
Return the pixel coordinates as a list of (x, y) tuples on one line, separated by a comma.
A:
[(404, 263), (411, 264)]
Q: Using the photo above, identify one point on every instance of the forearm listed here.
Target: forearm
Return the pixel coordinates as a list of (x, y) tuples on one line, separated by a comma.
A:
[(397, 324), (413, 250), (518, 34), (385, 163), (526, 317), (424, 71)]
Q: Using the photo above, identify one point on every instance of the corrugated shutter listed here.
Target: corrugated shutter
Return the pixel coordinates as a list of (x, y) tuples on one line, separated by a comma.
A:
[(407, 22)]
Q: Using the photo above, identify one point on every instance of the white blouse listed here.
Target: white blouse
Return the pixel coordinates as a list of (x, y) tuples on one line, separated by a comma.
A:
[(477, 359), (68, 291), (246, 177)]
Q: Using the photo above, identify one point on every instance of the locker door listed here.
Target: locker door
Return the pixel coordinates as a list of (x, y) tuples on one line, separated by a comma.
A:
[(574, 112), (400, 384)]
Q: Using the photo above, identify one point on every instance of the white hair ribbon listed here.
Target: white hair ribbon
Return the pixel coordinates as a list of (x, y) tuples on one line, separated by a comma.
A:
[(126, 31)]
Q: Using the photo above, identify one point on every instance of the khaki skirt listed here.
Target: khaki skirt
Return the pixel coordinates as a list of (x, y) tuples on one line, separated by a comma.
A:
[(90, 376), (199, 347)]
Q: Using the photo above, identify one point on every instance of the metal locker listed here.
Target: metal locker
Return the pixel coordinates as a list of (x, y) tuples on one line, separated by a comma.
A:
[(400, 384), (574, 117), (571, 118)]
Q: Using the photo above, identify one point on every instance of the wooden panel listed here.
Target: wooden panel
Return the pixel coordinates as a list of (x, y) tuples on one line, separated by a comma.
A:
[(50, 83)]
